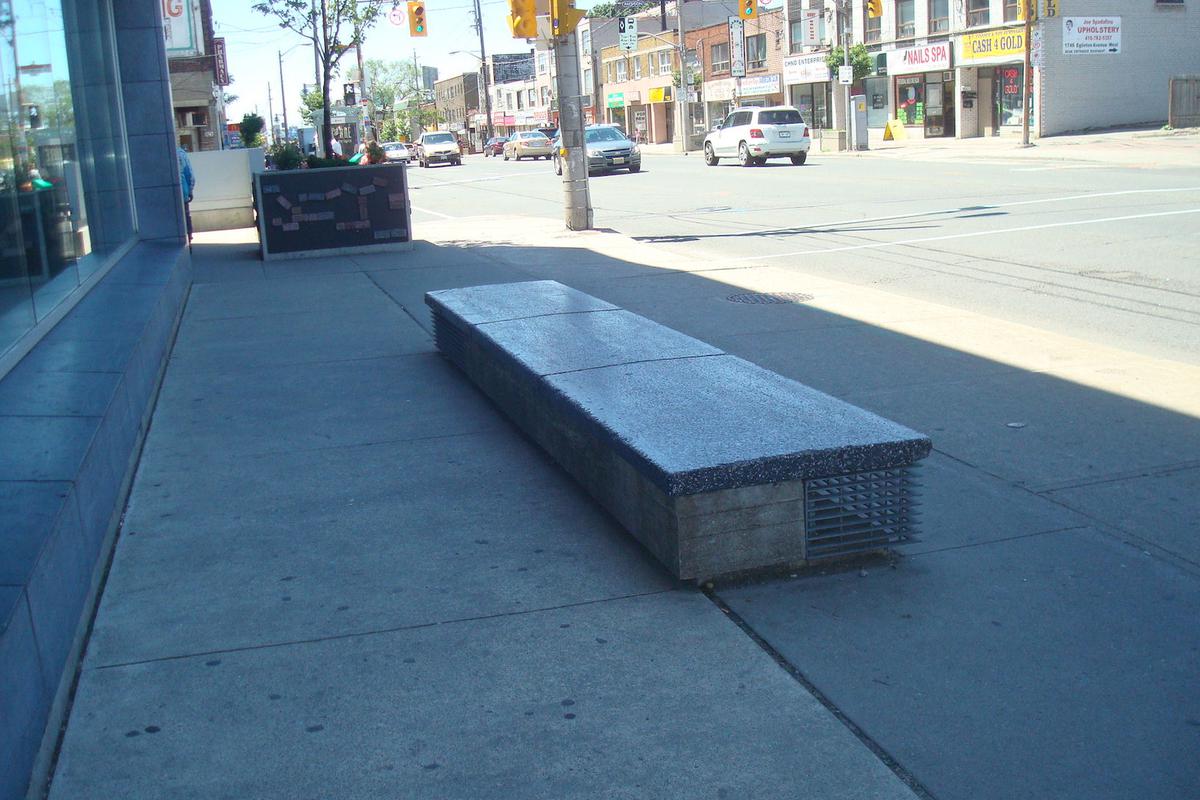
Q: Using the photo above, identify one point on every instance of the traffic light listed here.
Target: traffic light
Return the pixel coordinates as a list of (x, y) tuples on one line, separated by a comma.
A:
[(874, 9), (416, 18), (564, 17), (748, 9), (522, 18)]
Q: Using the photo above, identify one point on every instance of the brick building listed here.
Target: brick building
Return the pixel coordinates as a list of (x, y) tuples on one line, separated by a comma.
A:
[(196, 97)]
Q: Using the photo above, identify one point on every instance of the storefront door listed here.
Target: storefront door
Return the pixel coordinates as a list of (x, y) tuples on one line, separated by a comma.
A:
[(939, 107), (1007, 96)]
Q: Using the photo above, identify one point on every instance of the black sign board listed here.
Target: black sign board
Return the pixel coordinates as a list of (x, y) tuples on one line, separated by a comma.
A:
[(343, 209)]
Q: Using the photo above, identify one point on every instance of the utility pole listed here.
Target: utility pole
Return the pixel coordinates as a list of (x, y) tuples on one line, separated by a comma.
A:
[(684, 84), (578, 201), (844, 7), (270, 113), (1027, 82), (282, 95), (487, 94), (362, 93)]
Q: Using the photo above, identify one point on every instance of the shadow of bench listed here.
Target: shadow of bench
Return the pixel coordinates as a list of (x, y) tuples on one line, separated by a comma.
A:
[(716, 465)]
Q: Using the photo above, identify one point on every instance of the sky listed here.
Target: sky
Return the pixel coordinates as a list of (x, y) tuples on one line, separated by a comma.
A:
[(252, 41)]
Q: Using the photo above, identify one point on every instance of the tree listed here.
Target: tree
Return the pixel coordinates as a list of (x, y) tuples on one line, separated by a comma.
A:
[(618, 9), (334, 27), (860, 60), (251, 128), (395, 93), (311, 104)]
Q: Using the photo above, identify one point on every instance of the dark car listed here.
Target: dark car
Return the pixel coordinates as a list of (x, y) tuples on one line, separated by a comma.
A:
[(495, 146), (608, 148)]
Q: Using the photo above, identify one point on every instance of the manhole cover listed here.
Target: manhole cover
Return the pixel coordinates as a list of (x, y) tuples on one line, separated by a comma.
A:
[(769, 298)]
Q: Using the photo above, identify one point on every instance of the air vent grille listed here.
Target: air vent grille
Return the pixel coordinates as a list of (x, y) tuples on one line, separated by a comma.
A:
[(856, 513)]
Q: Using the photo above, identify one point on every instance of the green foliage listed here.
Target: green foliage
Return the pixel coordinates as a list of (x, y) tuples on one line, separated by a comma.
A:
[(251, 128), (618, 9), (860, 59), (316, 162), (286, 155), (311, 104), (389, 130)]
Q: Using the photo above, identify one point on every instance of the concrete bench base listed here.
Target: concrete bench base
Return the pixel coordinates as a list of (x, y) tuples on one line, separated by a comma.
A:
[(716, 465)]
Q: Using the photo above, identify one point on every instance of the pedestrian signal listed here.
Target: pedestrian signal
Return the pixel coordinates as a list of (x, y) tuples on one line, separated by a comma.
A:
[(874, 9), (749, 9), (417, 25), (522, 18)]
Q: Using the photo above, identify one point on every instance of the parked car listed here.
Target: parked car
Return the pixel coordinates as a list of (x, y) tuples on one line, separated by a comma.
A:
[(438, 146), (527, 144), (494, 146), (396, 151), (608, 148), (551, 133), (752, 135)]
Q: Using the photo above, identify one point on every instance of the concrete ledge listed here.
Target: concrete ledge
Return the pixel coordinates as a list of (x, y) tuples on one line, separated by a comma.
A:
[(72, 413), (717, 465)]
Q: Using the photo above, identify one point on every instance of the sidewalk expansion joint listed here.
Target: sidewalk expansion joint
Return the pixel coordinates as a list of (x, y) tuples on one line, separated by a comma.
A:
[(898, 769), (380, 631), (1002, 540), (183, 361)]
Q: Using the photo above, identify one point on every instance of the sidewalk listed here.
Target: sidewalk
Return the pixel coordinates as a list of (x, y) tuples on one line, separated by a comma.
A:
[(1128, 148), (343, 574)]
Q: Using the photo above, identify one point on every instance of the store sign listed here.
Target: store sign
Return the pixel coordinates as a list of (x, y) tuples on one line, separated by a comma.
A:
[(928, 58), (615, 100), (759, 85), (540, 118), (810, 28), (990, 46), (811, 68), (497, 117), (222, 61), (661, 94), (719, 91), (1084, 36), (737, 47), (627, 33), (179, 28)]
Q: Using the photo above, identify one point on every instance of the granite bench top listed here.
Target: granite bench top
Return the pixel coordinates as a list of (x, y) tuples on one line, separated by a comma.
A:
[(691, 417)]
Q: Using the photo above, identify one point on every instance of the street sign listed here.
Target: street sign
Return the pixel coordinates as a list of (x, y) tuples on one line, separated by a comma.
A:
[(810, 28), (627, 33), (737, 47), (222, 61), (845, 74), (397, 16)]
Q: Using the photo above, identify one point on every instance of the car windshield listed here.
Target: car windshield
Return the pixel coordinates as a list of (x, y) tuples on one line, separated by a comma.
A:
[(781, 116), (603, 135), (439, 138)]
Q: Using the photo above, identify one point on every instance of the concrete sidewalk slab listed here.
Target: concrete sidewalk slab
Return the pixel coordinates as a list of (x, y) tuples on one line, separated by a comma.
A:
[(347, 540), (1024, 668), (656, 696)]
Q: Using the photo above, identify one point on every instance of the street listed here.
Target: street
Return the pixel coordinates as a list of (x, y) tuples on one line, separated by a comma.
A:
[(1103, 253)]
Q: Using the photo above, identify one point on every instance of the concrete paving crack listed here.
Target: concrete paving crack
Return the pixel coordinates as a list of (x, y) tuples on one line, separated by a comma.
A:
[(379, 631), (791, 669)]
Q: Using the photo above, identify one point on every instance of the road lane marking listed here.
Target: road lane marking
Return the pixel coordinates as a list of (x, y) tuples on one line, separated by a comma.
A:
[(438, 183), (434, 213), (999, 232), (1057, 167), (958, 209)]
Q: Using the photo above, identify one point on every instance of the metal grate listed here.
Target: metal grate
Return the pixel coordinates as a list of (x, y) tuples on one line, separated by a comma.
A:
[(856, 513), (769, 298), (448, 338)]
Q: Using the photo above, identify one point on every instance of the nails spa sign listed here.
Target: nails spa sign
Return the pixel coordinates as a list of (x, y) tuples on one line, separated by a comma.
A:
[(928, 58)]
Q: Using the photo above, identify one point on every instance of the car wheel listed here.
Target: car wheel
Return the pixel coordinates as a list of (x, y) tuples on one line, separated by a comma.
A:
[(710, 157), (744, 155), (506, 155), (635, 167), (799, 158)]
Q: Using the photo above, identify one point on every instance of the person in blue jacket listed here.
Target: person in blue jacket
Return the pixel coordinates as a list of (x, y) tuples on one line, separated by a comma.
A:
[(187, 182)]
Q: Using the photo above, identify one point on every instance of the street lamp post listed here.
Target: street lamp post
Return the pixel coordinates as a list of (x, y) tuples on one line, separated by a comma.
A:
[(282, 90), (485, 132)]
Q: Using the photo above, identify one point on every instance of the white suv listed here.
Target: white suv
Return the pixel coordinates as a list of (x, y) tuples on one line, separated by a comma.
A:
[(752, 135)]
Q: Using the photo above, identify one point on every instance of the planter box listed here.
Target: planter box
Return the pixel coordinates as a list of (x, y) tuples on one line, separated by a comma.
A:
[(324, 212)]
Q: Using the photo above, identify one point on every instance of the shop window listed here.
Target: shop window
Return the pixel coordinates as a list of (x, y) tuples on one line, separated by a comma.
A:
[(65, 198), (939, 16), (756, 51), (906, 19), (910, 100), (872, 27), (720, 57), (1012, 10), (979, 12), (1010, 99)]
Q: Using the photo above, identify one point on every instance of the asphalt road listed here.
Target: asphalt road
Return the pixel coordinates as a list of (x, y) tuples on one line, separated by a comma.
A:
[(1103, 253)]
